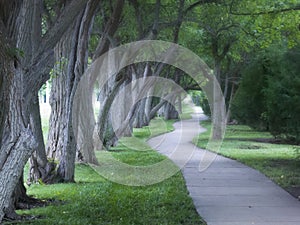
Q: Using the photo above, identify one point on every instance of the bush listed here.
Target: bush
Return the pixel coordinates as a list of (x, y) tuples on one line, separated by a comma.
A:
[(283, 96), (269, 94), (248, 105)]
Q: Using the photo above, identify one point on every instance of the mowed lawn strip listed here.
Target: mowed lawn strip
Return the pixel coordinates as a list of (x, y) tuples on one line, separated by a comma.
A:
[(280, 162), (95, 200)]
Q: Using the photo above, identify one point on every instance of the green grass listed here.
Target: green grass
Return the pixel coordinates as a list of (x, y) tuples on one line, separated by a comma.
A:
[(156, 127), (280, 162), (95, 200)]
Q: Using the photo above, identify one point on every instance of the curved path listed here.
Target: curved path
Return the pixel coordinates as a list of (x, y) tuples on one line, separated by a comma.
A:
[(228, 192)]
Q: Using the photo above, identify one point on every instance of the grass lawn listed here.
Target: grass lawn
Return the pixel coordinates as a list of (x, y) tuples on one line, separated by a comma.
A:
[(95, 200), (280, 162)]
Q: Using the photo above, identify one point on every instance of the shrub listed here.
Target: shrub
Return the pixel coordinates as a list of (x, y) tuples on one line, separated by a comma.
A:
[(248, 106), (269, 93), (283, 96)]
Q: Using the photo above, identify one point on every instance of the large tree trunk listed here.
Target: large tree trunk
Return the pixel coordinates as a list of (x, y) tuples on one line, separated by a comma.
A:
[(104, 127), (84, 125), (23, 75), (121, 106), (83, 135), (18, 141), (61, 141), (17, 146), (72, 54), (59, 124), (170, 112), (218, 100), (140, 114), (148, 106), (216, 112), (228, 114), (179, 99), (140, 91), (4, 86), (19, 200)]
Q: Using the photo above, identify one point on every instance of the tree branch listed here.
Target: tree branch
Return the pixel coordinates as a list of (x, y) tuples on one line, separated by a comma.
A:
[(275, 11), (200, 2), (110, 29), (54, 34), (138, 17)]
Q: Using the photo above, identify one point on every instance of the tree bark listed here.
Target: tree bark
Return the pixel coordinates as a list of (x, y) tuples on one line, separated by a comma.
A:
[(121, 106), (169, 110), (18, 141), (72, 48), (110, 29), (17, 146), (40, 168), (104, 43), (139, 94), (61, 145), (23, 71), (104, 126), (218, 103), (228, 114), (148, 106), (5, 72), (84, 125)]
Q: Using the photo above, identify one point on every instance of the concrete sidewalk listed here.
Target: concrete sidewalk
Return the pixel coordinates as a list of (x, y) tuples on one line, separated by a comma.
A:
[(228, 192)]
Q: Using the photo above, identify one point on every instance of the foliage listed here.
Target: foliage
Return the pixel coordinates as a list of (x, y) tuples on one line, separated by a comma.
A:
[(272, 101), (248, 106), (270, 21), (229, 32), (283, 96), (200, 99)]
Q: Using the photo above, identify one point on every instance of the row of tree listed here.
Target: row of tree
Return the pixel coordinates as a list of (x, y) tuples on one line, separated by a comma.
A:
[(254, 52), (56, 40)]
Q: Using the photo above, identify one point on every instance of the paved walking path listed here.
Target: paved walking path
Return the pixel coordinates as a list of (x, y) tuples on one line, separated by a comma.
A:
[(228, 192)]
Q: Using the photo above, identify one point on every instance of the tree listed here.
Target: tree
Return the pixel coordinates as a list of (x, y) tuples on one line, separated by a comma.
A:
[(27, 69), (249, 104), (102, 44), (272, 101), (283, 95), (35, 34), (71, 55), (228, 39)]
